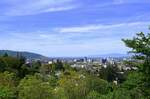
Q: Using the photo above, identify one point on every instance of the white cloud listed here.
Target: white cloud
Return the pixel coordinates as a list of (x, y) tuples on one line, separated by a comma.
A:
[(31, 7), (99, 27), (118, 1), (59, 9), (130, 1)]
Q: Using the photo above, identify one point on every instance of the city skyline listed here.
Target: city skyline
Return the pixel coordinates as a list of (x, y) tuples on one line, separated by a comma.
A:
[(71, 27)]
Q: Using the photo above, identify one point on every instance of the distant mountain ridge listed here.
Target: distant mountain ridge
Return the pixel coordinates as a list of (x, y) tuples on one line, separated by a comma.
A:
[(111, 55), (28, 55)]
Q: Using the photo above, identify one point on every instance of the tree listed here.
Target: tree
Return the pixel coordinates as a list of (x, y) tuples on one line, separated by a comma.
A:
[(46, 69), (59, 66), (36, 65), (12, 64), (8, 82), (2, 65), (5, 55), (22, 60), (133, 80), (32, 87), (96, 84), (73, 85), (109, 73), (140, 46), (133, 84), (77, 85), (67, 66)]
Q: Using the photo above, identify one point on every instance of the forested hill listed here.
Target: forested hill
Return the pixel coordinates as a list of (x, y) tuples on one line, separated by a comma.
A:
[(28, 55)]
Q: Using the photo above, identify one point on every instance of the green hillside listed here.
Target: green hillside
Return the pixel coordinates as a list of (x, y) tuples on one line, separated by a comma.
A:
[(28, 55)]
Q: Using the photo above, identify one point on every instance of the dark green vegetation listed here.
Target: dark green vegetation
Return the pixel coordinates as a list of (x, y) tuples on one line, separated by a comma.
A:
[(59, 81)]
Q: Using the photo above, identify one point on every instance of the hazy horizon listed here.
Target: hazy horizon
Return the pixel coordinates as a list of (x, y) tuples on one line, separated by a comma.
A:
[(71, 27), (65, 56)]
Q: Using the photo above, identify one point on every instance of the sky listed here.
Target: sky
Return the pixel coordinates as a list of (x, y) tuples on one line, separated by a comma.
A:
[(71, 27)]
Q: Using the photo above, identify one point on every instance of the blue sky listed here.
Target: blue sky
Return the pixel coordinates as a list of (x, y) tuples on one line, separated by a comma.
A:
[(71, 27)]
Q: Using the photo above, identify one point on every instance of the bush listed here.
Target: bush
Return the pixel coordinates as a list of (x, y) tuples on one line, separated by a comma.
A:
[(32, 87)]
